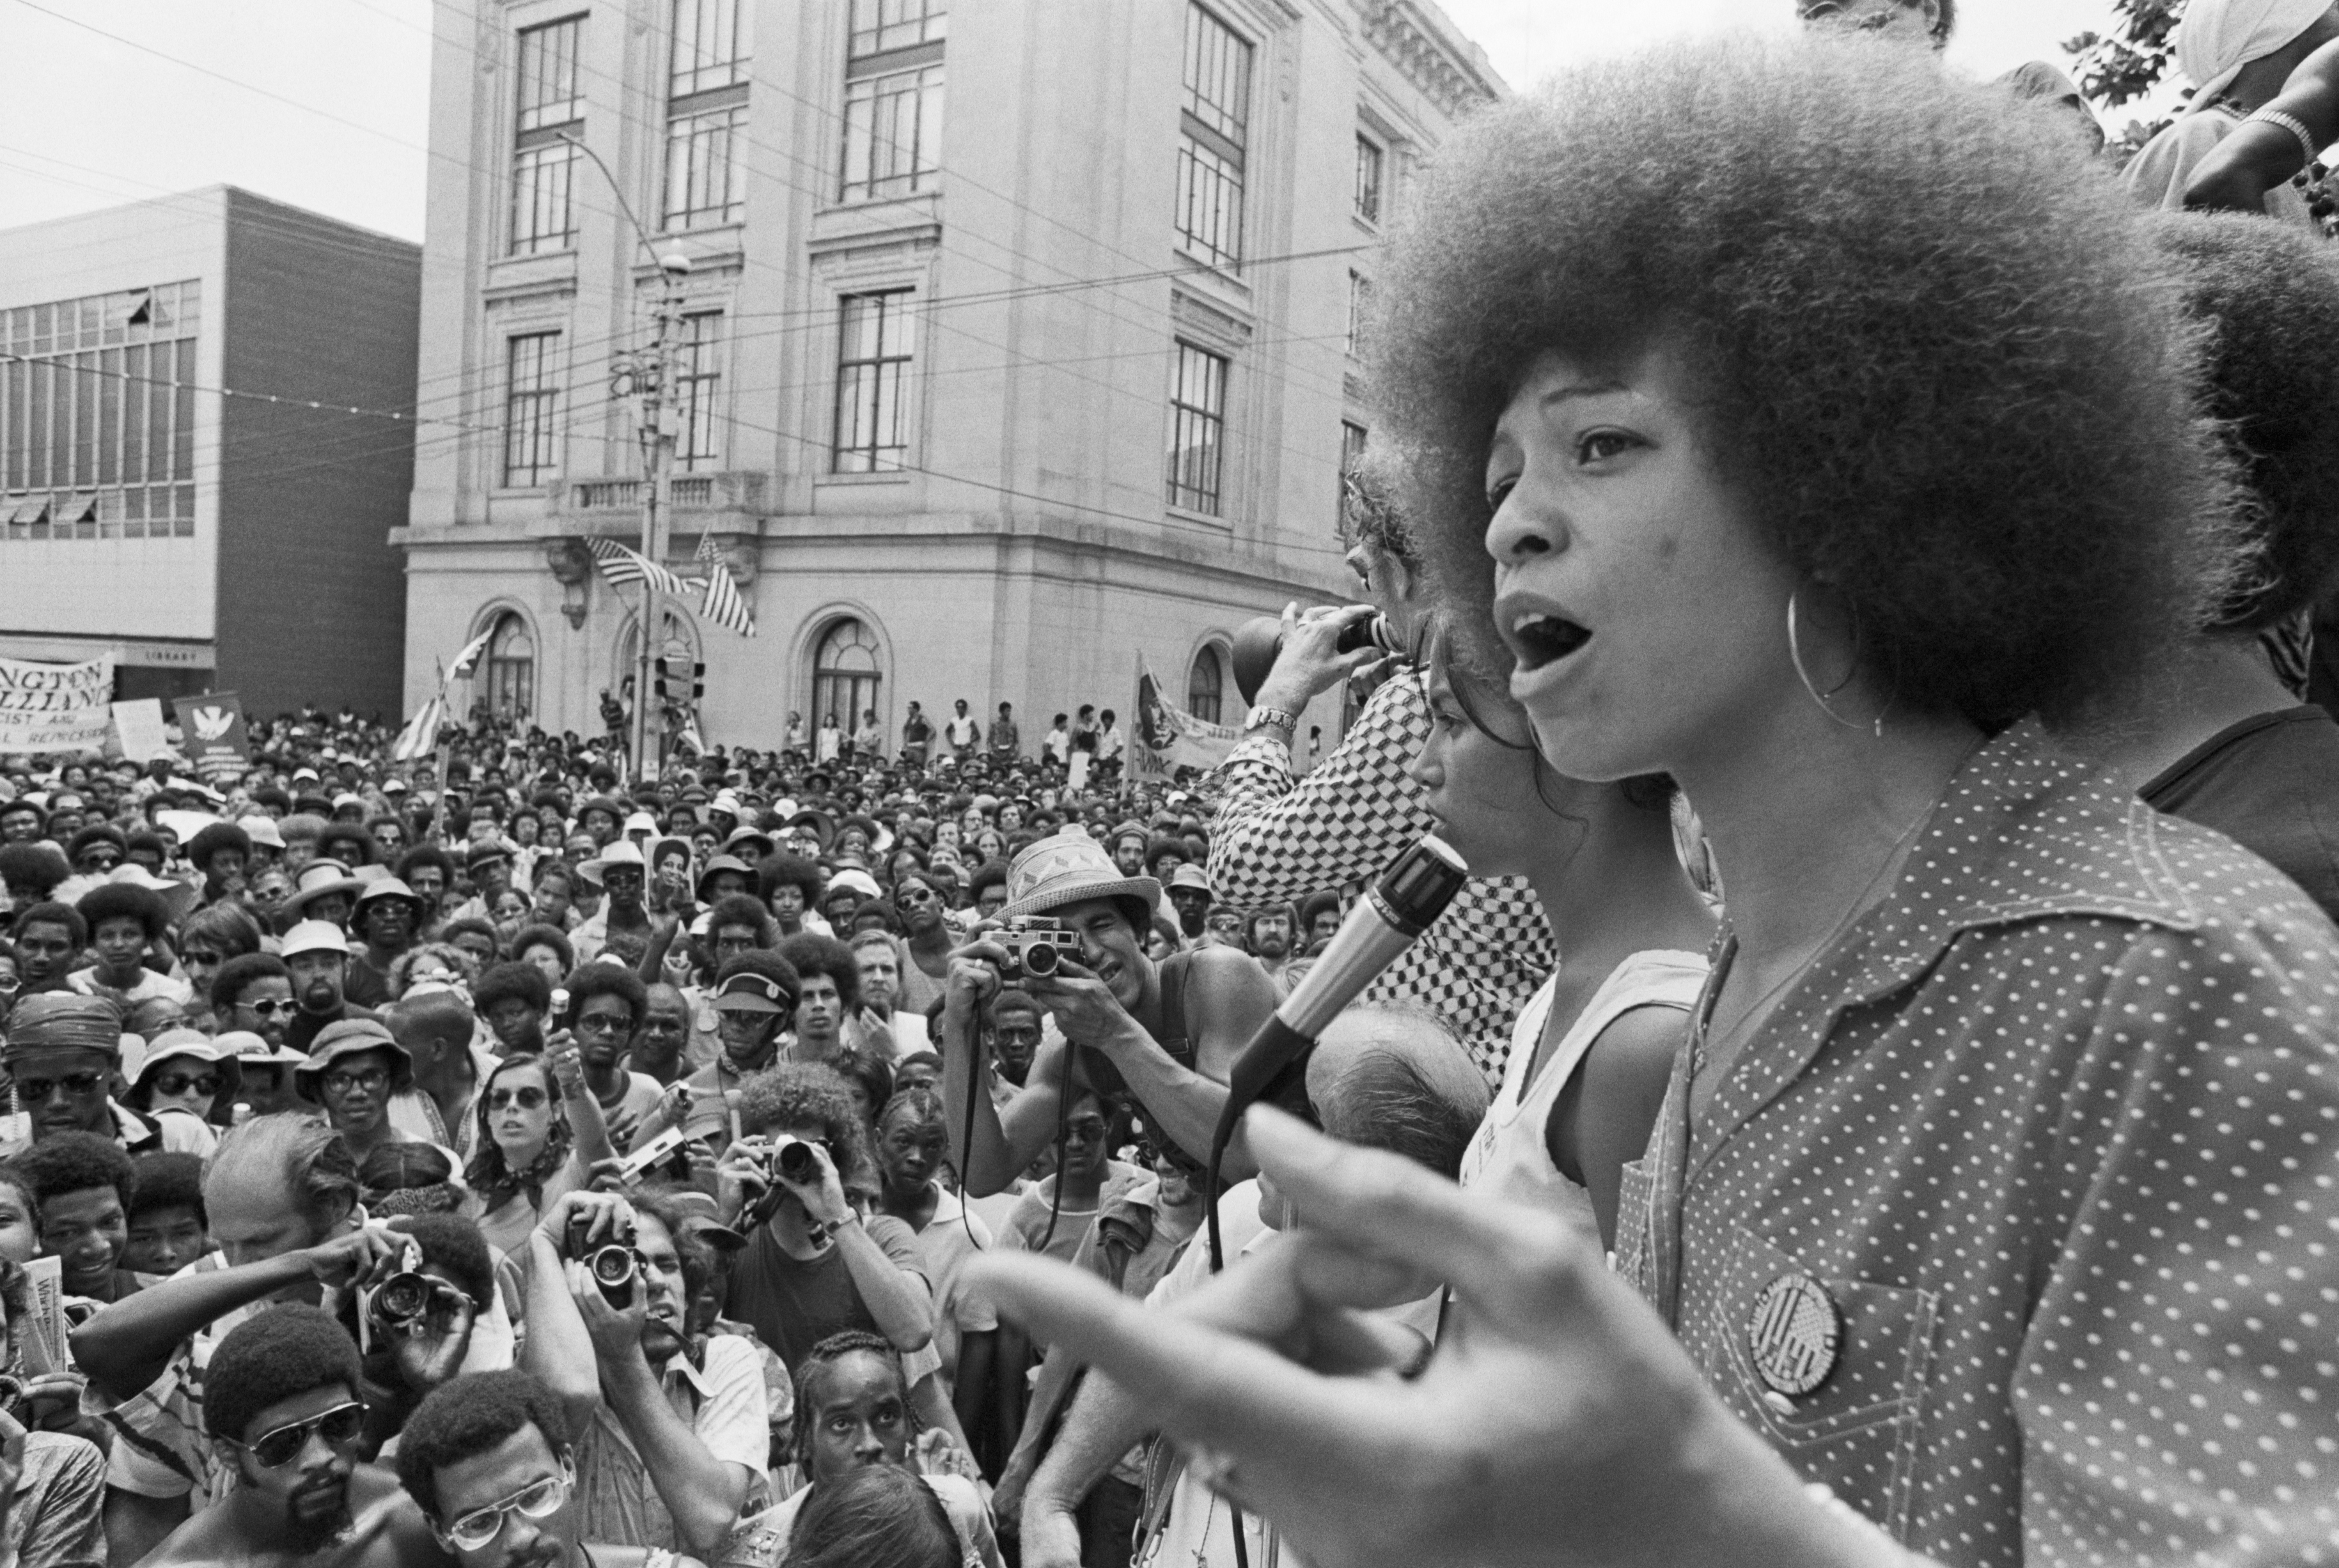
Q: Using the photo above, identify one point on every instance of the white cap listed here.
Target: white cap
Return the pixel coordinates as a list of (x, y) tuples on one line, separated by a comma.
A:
[(315, 936)]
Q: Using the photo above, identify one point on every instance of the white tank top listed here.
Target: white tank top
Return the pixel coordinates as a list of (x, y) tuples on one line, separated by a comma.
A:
[(1508, 1159)]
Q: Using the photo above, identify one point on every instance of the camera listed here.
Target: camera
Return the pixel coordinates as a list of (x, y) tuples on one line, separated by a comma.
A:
[(1258, 642), (783, 1158), (614, 1264), (400, 1299), (1036, 945)]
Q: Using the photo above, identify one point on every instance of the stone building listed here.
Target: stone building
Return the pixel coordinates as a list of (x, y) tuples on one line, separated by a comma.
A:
[(1015, 337)]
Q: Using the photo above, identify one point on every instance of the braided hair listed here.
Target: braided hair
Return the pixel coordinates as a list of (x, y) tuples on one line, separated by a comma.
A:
[(828, 1352)]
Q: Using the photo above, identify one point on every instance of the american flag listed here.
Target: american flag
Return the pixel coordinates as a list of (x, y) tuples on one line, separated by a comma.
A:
[(623, 568), (422, 732), (723, 604)]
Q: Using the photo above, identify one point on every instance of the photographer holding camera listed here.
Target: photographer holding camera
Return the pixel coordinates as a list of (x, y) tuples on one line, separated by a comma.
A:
[(673, 1434), (1169, 1032), (436, 1317)]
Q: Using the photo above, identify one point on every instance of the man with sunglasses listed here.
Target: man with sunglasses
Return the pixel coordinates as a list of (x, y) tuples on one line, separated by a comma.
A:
[(925, 904), (489, 1460), (61, 1054), (282, 1404)]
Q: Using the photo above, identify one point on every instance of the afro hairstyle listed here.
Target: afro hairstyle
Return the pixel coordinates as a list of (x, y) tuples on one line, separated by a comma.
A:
[(31, 871), (809, 952), (1938, 361), (598, 979), (120, 900), (742, 909), (507, 982), (166, 1180), (213, 838), (76, 1162), (778, 871), (278, 1354), (2267, 296), (466, 1417), (807, 1094), (530, 936)]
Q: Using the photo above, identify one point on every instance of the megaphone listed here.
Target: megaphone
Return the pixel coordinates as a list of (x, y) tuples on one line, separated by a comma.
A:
[(1258, 642)]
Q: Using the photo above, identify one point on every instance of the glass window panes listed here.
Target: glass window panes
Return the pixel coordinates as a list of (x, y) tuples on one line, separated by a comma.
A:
[(1368, 179), (714, 42), (706, 181), (846, 670), (698, 380), (882, 24), (531, 436), (1360, 304), (876, 346), (1206, 686), (1217, 75), (510, 669), (893, 133), (1198, 411), (548, 93), (1210, 203), (543, 219)]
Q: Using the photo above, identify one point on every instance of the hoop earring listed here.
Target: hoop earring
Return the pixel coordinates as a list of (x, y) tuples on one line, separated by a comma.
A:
[(1795, 655)]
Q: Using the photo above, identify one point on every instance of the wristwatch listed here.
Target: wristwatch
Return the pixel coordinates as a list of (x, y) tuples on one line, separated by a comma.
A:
[(1264, 718)]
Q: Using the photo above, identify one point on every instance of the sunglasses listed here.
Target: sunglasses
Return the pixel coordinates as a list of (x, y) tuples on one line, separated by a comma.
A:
[(37, 1091), (604, 1023), (526, 1099), (99, 861), (537, 1500), (180, 1082), (269, 1008), (339, 1426)]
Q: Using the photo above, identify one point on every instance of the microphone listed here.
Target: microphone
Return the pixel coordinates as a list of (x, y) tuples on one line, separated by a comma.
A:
[(1390, 918)]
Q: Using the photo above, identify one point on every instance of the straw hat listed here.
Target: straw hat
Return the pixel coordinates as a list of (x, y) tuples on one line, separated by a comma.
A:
[(1071, 868)]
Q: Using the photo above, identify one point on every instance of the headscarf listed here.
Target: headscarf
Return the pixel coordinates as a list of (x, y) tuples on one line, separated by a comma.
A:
[(2217, 37), (65, 1020)]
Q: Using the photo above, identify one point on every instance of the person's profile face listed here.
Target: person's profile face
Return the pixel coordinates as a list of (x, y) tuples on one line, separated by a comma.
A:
[(1484, 794), (860, 1417), (1645, 607)]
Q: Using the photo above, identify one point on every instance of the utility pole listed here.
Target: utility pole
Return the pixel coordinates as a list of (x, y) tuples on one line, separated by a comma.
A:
[(648, 375)]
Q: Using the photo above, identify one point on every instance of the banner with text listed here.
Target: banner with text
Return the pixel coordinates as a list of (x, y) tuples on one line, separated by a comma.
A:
[(138, 725), (1168, 737), (55, 708), (211, 734)]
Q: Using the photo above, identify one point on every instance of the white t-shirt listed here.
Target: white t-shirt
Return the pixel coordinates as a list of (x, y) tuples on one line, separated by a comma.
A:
[(1507, 1158)]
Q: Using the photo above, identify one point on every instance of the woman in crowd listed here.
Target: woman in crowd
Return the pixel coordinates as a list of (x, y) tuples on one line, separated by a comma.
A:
[(182, 1079), (540, 1135), (1823, 422)]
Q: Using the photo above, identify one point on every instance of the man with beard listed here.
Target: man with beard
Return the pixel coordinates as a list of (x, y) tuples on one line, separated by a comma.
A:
[(622, 925), (317, 958), (1271, 939), (281, 1194), (388, 915), (673, 1438), (282, 1404), (49, 939), (488, 1459), (1167, 1035)]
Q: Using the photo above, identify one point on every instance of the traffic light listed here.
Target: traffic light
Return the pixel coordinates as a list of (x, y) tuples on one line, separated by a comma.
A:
[(658, 679), (697, 680)]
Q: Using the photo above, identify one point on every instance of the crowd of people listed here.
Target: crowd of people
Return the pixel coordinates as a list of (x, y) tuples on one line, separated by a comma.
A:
[(1872, 1100)]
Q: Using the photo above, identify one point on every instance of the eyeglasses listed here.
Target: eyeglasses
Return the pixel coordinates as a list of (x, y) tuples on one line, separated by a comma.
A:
[(537, 1500), (268, 1007), (526, 1099), (603, 1023), (340, 1424), (368, 1078), (95, 861), (37, 1091), (180, 1082)]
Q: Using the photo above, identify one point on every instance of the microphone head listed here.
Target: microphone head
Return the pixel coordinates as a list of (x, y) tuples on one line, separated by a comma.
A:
[(1420, 883)]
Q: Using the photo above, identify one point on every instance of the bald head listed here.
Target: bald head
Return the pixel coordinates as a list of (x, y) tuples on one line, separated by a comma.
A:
[(430, 1024), (1397, 1079)]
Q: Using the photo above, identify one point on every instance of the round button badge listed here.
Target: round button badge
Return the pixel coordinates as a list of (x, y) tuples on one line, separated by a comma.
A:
[(1794, 1334)]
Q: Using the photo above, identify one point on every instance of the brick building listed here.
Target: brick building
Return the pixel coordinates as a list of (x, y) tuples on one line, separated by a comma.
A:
[(1017, 335), (211, 541)]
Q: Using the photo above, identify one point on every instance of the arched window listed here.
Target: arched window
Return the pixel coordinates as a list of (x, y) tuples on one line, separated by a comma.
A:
[(1206, 684), (847, 667), (509, 668)]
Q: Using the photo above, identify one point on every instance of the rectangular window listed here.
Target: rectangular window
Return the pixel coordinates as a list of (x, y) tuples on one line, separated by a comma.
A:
[(879, 26), (707, 113), (1360, 304), (1213, 131), (1197, 422), (698, 383), (1368, 179), (893, 133), (531, 437), (1352, 447), (544, 157), (873, 364)]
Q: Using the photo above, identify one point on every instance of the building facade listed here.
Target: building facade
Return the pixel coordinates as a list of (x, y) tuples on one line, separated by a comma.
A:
[(210, 539), (1016, 341)]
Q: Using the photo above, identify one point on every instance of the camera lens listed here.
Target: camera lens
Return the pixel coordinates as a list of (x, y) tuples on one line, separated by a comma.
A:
[(402, 1296), (1040, 958), (796, 1163), (613, 1265)]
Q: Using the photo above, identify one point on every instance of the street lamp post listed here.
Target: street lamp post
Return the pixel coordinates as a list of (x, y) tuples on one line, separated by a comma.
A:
[(647, 374)]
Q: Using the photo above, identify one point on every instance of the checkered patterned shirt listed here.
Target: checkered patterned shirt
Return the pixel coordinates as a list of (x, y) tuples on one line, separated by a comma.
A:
[(1279, 838)]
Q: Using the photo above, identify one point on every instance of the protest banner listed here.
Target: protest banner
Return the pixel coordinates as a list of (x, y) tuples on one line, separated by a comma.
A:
[(1166, 737), (212, 735), (47, 707), (139, 729)]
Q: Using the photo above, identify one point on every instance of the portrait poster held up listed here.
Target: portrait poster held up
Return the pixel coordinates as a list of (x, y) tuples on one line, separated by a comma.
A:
[(49, 708)]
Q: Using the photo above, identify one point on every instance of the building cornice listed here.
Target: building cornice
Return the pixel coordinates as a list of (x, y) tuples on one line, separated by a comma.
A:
[(1428, 52)]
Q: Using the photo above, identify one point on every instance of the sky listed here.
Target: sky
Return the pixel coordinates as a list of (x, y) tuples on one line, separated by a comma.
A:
[(325, 103)]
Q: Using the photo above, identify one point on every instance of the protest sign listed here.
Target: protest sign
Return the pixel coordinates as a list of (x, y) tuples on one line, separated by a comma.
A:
[(47, 707)]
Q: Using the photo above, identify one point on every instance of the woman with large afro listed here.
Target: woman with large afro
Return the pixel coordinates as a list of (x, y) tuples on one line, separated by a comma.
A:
[(1805, 424)]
